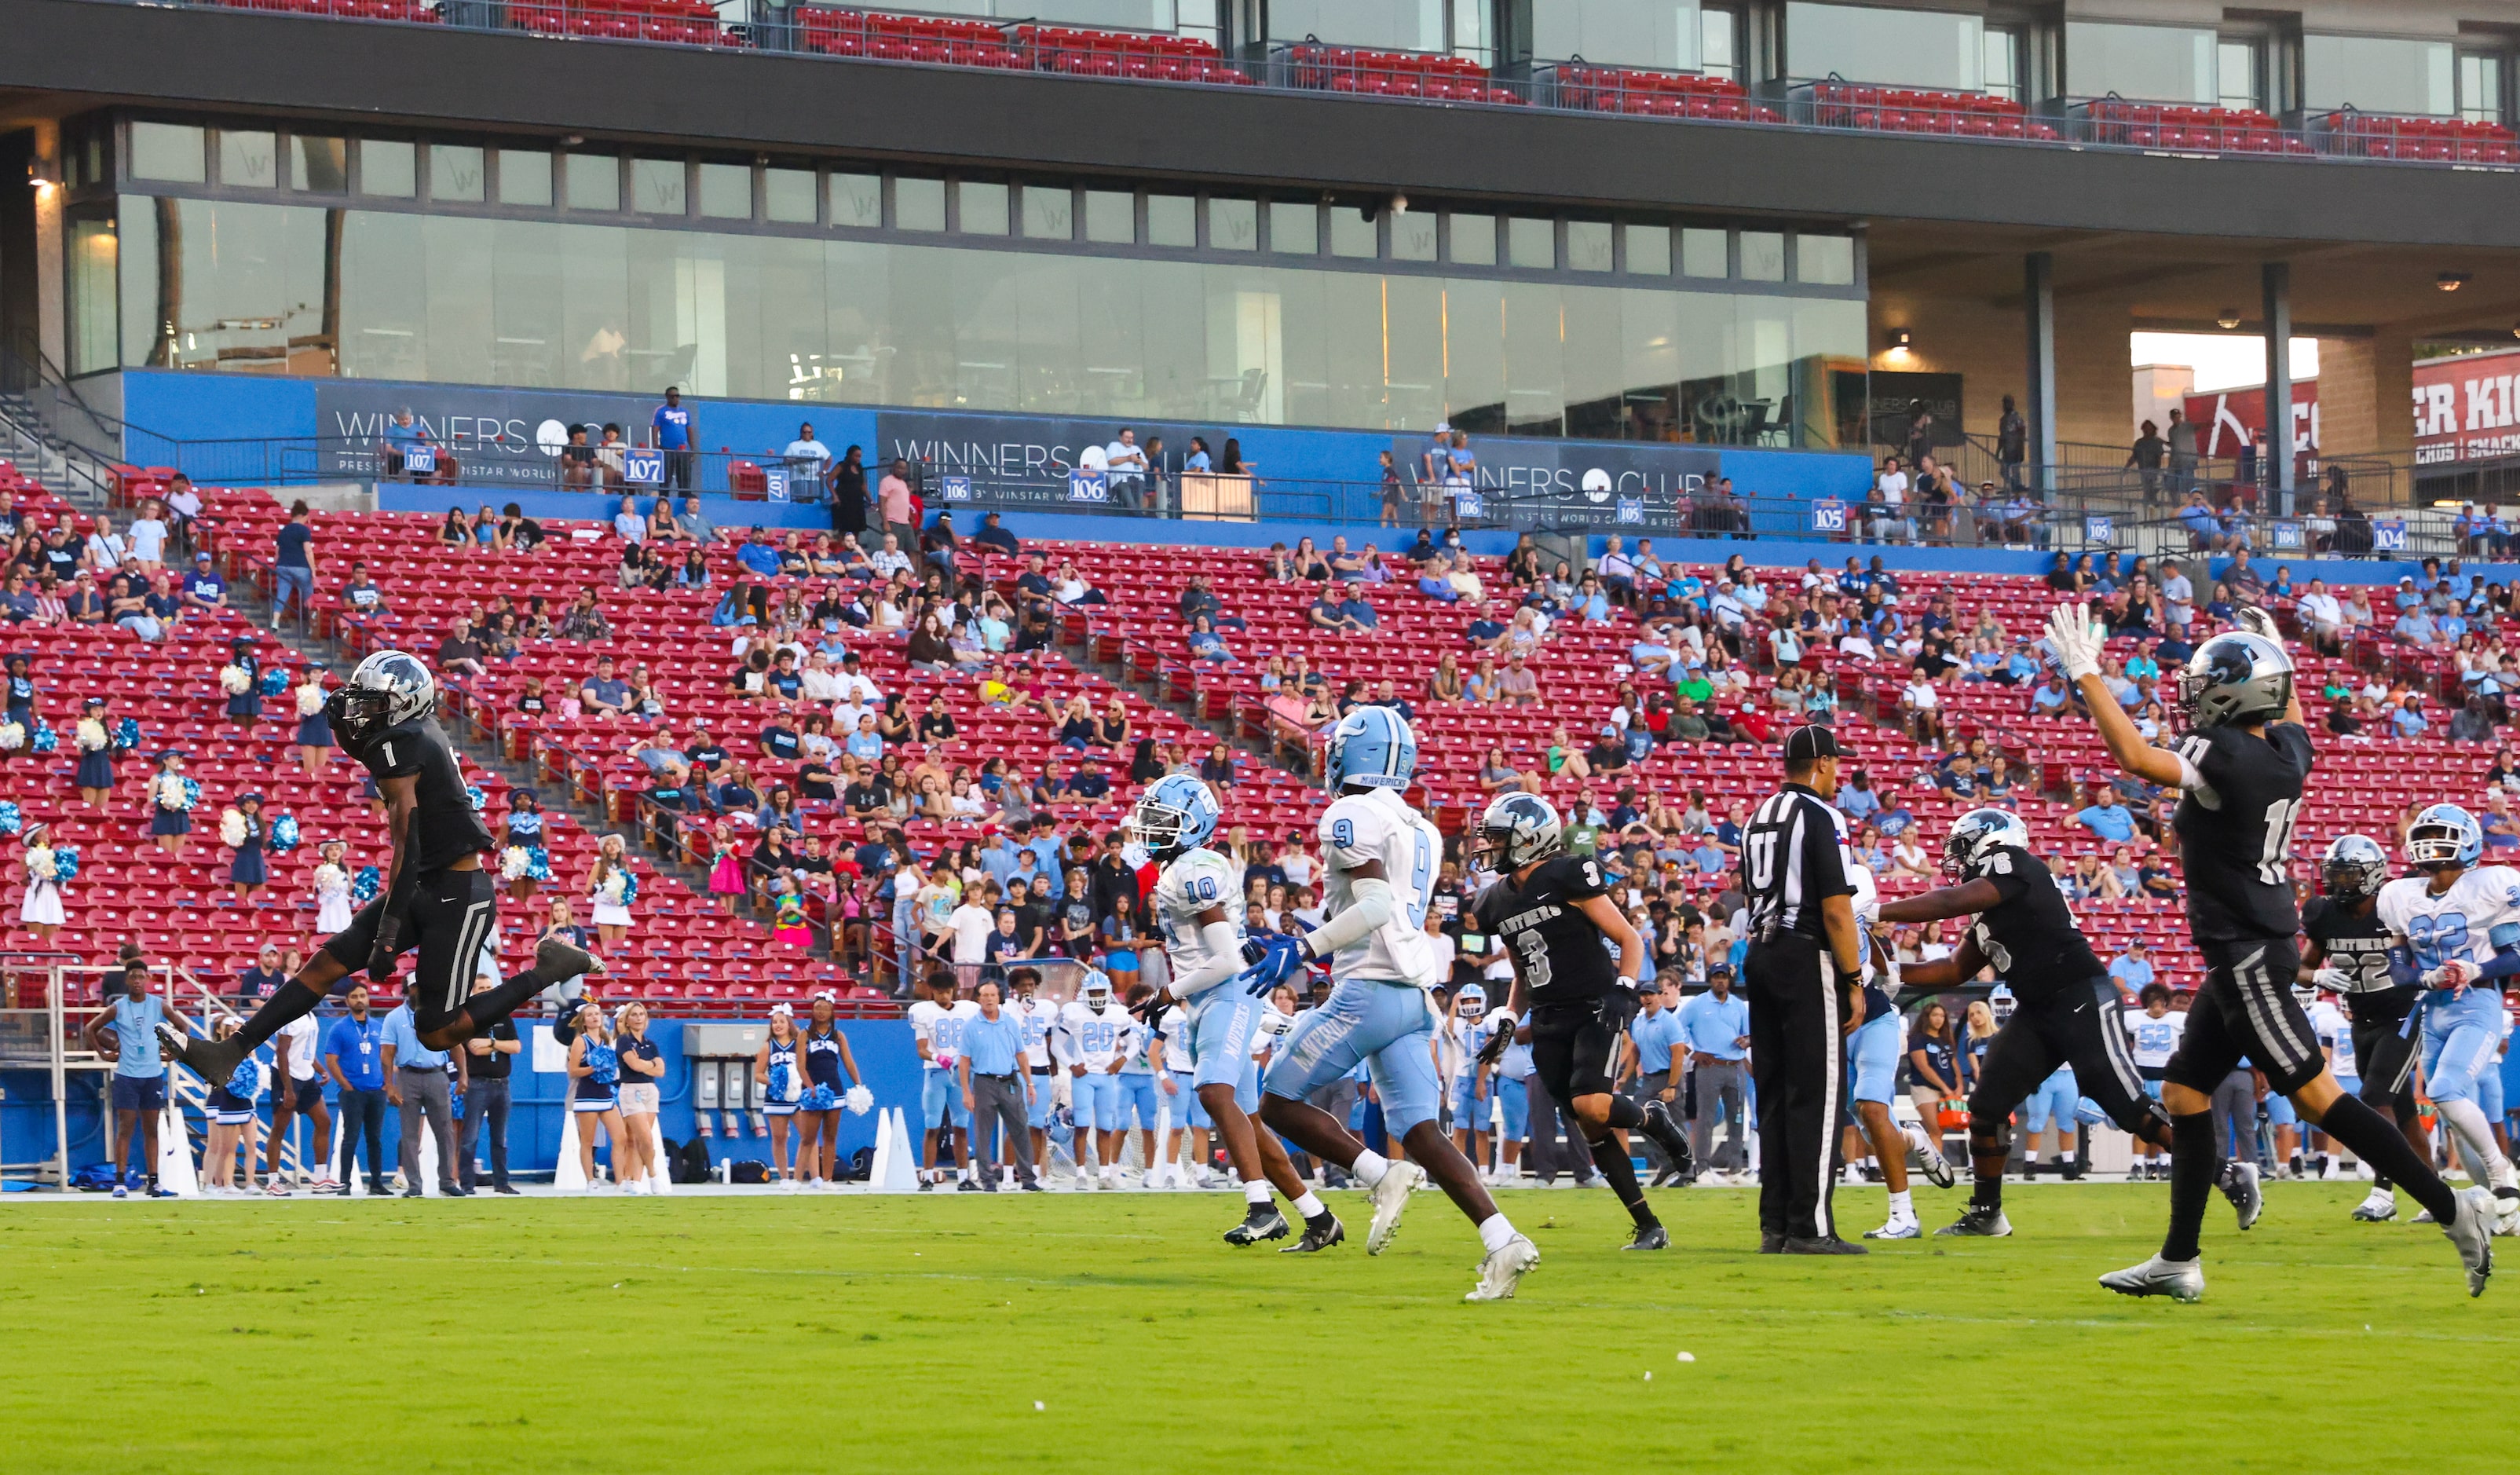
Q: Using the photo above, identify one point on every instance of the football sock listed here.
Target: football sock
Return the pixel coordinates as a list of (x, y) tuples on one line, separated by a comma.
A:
[(1368, 1168), (291, 1000), (1917, 1141), (488, 1008), (1902, 1206), (2371, 1136), (1616, 1166), (2476, 1144), (1496, 1231), (1626, 1114), (1988, 1191), (1311, 1206), (2195, 1165), (1256, 1191)]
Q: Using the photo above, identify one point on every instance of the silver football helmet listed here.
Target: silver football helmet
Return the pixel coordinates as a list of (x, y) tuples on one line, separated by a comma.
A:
[(2236, 676), (387, 690), (1975, 833), (1520, 830), (2355, 867)]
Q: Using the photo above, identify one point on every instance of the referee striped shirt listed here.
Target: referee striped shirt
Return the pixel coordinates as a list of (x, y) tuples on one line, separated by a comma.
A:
[(1793, 857)]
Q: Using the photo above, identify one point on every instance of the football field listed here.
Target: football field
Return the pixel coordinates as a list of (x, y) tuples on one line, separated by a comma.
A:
[(1115, 1332)]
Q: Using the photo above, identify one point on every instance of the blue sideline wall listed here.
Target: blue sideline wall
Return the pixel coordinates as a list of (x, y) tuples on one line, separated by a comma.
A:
[(882, 1047)]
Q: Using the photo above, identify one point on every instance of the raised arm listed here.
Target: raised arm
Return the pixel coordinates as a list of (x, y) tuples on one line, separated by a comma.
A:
[(2077, 645)]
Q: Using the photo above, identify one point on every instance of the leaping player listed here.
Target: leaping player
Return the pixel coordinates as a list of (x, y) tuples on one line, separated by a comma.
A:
[(436, 898), (1199, 908), (1380, 859)]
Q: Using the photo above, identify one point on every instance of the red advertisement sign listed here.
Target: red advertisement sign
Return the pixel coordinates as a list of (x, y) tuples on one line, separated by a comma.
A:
[(2465, 408)]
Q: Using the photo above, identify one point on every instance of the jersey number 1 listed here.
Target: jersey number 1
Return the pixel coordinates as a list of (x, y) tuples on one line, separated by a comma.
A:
[(2274, 865)]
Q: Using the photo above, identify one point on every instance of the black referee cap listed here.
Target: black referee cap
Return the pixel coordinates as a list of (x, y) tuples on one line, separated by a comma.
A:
[(1809, 742)]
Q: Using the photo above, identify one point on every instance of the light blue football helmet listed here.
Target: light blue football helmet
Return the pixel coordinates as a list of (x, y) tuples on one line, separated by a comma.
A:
[(1472, 1002), (2444, 835), (1177, 812), (1373, 746)]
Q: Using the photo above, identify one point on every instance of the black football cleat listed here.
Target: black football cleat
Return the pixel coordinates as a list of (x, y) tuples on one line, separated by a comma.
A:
[(1652, 1236), (213, 1061), (1828, 1244), (1262, 1221), (1318, 1238), (1979, 1221), (1668, 1136)]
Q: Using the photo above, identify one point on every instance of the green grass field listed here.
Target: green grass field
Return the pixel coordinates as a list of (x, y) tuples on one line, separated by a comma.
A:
[(1103, 1332)]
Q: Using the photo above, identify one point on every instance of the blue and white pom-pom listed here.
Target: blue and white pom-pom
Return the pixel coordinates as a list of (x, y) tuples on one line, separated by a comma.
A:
[(192, 792), (859, 1100), (126, 734), (821, 1098), (480, 800), (65, 862), (782, 1084), (45, 740), (366, 884), (244, 1083), (11, 821), (284, 831), (275, 681)]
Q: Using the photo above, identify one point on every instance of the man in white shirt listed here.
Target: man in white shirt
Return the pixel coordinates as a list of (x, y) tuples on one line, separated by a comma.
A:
[(970, 926), (808, 459), (2322, 615), (889, 560), (856, 686), (1618, 572), (2178, 598), (148, 536), (822, 679), (1890, 495), (1124, 467)]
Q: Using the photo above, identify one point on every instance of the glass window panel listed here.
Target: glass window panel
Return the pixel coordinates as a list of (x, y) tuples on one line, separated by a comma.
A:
[(388, 167), (1588, 245), (525, 177), (726, 192), (1234, 225), (918, 204), (1049, 212), (248, 159), (1704, 253), (1589, 366), (1660, 35), (1862, 43), (1474, 240), (238, 287), (1172, 221), (1302, 302), (2479, 88), (1384, 24), (1474, 356), (1714, 52), (857, 202), (2378, 75), (1531, 243), (2164, 63), (1649, 359), (983, 207), (594, 182), (2235, 75), (144, 288), (1649, 250), (1824, 260), (1353, 235), (1111, 217), (1412, 340), (2002, 67), (319, 165), (787, 197), (454, 174), (1294, 228), (526, 287), (174, 151), (1762, 256), (93, 319), (1413, 237), (1535, 378), (659, 187)]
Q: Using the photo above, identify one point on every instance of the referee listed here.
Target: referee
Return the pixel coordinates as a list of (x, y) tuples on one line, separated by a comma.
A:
[(1800, 978)]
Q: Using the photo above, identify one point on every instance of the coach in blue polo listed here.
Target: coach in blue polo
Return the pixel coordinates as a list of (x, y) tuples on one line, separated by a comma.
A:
[(1715, 1030), (996, 1087)]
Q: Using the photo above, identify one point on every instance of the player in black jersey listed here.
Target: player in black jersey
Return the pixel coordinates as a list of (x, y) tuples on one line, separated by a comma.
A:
[(1554, 913), (436, 898), (2065, 1011), (2349, 956), (2241, 769)]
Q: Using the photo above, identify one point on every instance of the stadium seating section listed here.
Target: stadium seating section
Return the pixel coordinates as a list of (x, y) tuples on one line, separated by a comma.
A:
[(2432, 139), (1894, 110), (1659, 94), (2204, 130)]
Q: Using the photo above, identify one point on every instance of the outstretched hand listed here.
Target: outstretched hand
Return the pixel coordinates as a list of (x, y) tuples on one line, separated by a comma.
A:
[(2076, 643)]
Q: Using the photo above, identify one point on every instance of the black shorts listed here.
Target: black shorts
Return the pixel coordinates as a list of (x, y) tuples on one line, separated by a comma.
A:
[(2246, 1012), (448, 916), (1575, 1046), (299, 1096), (2385, 1052), (2078, 1028)]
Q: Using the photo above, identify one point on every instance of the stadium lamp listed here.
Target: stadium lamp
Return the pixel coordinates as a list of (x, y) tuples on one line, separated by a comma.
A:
[(2515, 330), (1899, 342), (1399, 205), (2451, 281), (2227, 319), (42, 173)]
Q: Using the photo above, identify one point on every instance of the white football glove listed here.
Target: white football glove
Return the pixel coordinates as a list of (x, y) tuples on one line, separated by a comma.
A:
[(2257, 621), (2454, 975), (2334, 980), (2077, 646)]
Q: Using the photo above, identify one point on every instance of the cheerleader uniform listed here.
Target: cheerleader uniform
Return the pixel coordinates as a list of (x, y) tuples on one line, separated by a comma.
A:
[(43, 903), (21, 702), (314, 729), (525, 832), (163, 818), (609, 913), (232, 1102), (783, 1084), (822, 1070), (96, 767), (248, 702), (598, 1091), (332, 912), (249, 869)]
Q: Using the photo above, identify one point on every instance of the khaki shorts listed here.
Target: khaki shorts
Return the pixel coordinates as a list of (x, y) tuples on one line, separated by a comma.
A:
[(638, 1100)]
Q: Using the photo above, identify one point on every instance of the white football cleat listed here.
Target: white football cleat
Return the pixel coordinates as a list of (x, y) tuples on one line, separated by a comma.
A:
[(1388, 1197), (2472, 1232), (1897, 1229), (2241, 1185), (2156, 1276), (1500, 1273), (2380, 1206)]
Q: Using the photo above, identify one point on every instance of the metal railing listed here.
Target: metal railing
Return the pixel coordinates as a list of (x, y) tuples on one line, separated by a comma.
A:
[(1830, 104)]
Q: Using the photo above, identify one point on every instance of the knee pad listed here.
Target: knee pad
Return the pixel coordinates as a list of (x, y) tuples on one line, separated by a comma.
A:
[(1989, 1137)]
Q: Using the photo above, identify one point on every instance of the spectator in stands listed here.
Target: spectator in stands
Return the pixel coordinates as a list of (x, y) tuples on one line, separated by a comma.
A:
[(993, 534), (85, 605), (584, 620), (2472, 722), (897, 509), (126, 604), (1324, 612), (204, 589), (2415, 627), (1519, 684), (889, 560), (455, 534), (2133, 970), (460, 654), (262, 978), (2105, 816), (2407, 719)]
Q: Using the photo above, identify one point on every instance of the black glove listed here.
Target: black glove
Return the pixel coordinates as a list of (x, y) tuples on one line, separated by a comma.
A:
[(1618, 1006), (1498, 1043), (387, 950), (1152, 1012)]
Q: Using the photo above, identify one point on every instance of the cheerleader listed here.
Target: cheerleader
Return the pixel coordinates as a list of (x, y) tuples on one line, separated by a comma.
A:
[(525, 859), (726, 874), (243, 828), (563, 925), (782, 1083), (332, 911), (171, 797), (642, 1067), (96, 751), (314, 729), (241, 680), (20, 693), (611, 887), (593, 1086), (234, 1119), (41, 913), (818, 1115)]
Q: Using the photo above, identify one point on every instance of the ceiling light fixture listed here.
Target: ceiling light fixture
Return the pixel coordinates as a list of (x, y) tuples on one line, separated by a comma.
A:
[(2227, 319), (2451, 281)]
